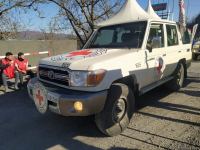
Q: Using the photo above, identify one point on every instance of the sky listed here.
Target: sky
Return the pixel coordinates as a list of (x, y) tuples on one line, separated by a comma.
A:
[(33, 22)]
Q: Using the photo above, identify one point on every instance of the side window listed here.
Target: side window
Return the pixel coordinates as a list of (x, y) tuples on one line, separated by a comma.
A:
[(172, 35), (156, 36)]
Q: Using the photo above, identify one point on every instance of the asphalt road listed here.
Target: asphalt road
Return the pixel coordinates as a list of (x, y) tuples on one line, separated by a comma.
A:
[(164, 120)]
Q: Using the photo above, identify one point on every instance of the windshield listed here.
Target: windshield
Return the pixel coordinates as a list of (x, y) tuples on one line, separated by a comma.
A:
[(128, 35)]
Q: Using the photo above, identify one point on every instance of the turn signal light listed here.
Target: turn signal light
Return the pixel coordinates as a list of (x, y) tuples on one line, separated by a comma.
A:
[(95, 77)]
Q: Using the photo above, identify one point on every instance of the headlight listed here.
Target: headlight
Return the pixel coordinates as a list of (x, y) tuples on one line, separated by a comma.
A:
[(78, 78), (86, 78)]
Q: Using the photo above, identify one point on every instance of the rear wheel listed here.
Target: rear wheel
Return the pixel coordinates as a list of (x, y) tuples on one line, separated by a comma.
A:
[(118, 110), (194, 56), (179, 77)]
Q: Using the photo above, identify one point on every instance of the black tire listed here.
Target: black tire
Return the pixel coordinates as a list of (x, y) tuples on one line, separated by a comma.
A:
[(179, 77), (194, 56), (118, 110)]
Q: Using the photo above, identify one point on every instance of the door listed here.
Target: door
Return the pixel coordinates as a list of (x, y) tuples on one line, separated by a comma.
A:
[(174, 48), (156, 52)]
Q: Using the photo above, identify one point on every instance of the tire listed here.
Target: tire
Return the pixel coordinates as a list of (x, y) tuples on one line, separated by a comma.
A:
[(194, 56), (179, 77), (118, 110)]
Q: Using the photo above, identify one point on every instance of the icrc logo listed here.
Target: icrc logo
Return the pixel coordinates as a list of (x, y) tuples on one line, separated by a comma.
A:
[(51, 75)]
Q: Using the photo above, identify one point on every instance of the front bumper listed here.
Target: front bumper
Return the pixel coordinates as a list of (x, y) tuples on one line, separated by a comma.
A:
[(61, 101)]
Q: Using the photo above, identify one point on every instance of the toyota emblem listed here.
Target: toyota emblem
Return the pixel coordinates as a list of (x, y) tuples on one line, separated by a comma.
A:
[(51, 75), (66, 65)]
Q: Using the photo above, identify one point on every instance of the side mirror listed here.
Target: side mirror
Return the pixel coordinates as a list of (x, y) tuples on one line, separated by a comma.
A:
[(149, 48)]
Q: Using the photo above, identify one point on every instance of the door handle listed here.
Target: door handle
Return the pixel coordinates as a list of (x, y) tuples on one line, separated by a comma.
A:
[(164, 55), (188, 50), (179, 51), (150, 59)]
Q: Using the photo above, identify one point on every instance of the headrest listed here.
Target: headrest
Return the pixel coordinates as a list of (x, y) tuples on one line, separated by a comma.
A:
[(127, 37)]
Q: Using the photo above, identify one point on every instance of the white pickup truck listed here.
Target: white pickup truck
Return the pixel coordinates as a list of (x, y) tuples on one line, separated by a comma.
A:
[(128, 55)]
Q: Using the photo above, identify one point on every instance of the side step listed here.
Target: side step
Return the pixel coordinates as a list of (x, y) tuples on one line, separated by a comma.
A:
[(154, 85)]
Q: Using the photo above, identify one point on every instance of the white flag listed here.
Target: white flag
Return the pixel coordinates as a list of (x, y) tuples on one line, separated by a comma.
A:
[(182, 16)]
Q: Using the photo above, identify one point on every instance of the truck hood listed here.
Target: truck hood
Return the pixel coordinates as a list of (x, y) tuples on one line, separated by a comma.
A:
[(82, 59)]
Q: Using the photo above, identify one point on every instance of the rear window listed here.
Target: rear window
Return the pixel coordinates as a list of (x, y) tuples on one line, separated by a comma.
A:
[(172, 35)]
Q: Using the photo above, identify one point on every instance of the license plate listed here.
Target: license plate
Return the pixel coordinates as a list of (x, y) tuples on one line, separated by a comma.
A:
[(53, 97)]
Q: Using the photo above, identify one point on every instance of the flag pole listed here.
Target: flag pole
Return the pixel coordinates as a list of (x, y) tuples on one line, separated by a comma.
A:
[(182, 16)]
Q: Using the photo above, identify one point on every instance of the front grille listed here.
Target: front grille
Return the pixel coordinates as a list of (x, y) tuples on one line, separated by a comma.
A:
[(55, 75)]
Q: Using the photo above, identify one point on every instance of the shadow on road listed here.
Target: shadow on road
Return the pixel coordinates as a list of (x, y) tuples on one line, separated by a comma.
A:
[(23, 127), (153, 99), (191, 93), (192, 80), (163, 137), (191, 90)]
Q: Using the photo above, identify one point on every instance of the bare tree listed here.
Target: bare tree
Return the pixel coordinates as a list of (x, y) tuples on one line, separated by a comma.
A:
[(83, 14), (8, 28), (9, 25)]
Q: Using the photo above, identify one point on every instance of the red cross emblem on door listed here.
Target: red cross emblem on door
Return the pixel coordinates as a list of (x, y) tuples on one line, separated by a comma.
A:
[(39, 97), (160, 65)]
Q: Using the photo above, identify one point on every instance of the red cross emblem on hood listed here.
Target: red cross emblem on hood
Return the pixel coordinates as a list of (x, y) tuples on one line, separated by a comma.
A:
[(79, 53)]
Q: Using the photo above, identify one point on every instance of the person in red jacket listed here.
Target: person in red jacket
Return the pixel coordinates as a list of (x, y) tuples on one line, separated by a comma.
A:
[(21, 64), (7, 67)]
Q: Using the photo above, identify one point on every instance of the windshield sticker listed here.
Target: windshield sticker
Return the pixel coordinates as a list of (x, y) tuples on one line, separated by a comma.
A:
[(101, 51), (76, 55), (57, 58)]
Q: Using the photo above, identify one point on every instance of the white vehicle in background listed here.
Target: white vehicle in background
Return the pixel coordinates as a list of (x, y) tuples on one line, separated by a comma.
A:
[(128, 55)]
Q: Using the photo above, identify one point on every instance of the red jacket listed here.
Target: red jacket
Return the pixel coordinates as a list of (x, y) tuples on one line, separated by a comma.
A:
[(22, 65), (9, 71)]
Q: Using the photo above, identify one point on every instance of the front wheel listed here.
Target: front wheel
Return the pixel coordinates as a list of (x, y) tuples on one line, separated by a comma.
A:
[(118, 110)]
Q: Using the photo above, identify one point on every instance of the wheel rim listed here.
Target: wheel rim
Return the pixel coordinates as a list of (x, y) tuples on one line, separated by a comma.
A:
[(180, 75), (119, 110)]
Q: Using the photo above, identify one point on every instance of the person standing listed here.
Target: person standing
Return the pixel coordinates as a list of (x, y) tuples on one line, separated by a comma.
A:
[(7, 67), (21, 64)]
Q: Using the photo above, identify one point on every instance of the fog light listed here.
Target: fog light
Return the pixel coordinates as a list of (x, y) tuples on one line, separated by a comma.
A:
[(78, 106)]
